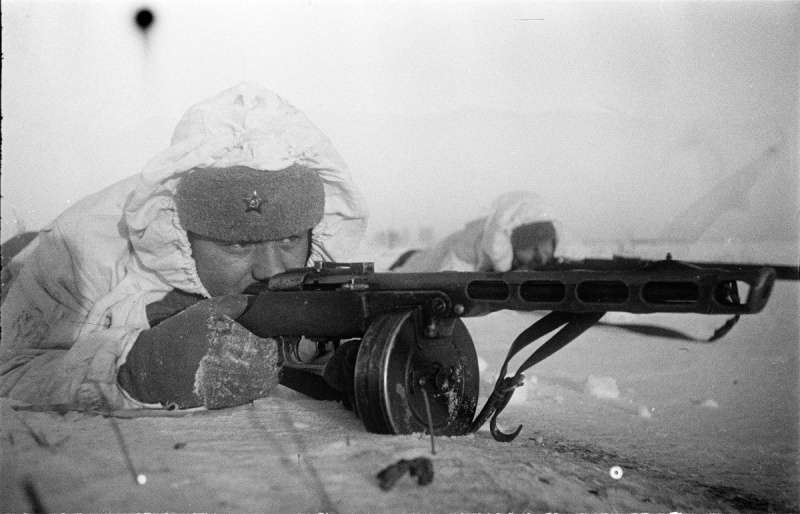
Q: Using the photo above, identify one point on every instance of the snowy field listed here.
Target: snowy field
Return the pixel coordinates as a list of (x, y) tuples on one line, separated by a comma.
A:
[(637, 121), (694, 427), (724, 414)]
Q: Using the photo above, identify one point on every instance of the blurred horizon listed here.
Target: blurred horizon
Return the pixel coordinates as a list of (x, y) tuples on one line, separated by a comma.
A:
[(622, 115)]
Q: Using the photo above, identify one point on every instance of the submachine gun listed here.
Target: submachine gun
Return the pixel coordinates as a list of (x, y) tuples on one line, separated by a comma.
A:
[(416, 367)]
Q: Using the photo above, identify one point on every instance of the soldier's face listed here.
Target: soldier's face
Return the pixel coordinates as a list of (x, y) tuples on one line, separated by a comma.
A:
[(533, 256), (229, 268)]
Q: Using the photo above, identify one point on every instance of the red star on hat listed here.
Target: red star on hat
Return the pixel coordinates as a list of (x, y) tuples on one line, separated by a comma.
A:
[(253, 203)]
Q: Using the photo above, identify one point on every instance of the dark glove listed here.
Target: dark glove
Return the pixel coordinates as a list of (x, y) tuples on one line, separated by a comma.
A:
[(201, 356)]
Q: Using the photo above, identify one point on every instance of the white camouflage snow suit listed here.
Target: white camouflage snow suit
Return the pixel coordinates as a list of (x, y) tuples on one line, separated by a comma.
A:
[(78, 304), (483, 244)]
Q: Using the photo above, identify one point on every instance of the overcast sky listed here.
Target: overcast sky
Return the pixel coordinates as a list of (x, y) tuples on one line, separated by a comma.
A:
[(621, 114)]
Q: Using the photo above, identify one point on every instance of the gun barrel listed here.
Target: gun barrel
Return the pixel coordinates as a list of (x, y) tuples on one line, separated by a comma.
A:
[(622, 263), (782, 272), (662, 286), (687, 290)]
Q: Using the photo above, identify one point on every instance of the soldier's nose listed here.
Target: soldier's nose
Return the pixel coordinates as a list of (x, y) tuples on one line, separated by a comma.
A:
[(267, 261)]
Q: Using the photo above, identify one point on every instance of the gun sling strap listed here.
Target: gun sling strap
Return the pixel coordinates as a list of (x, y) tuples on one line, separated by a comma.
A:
[(731, 295), (572, 325)]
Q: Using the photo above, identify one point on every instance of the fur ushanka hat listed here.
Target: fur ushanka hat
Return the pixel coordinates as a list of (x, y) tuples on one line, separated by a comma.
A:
[(529, 234), (242, 204)]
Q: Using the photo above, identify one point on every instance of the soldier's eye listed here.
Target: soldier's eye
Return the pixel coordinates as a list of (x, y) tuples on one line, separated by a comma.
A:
[(289, 241), (236, 247)]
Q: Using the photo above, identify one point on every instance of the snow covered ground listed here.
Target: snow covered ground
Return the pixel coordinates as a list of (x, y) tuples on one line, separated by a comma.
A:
[(725, 414), (693, 427)]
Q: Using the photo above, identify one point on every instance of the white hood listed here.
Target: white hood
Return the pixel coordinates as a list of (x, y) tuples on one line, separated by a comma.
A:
[(246, 125), (508, 212)]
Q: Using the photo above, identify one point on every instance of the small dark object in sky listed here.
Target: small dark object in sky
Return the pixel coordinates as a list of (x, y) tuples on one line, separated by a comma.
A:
[(421, 467), (144, 19)]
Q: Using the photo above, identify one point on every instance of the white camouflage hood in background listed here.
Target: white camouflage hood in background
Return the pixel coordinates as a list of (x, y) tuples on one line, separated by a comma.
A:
[(246, 125), (506, 213), (484, 244)]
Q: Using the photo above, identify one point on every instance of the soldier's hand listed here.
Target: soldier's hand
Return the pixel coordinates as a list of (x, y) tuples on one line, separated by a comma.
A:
[(201, 357)]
